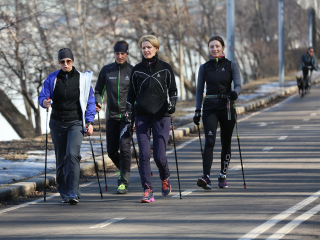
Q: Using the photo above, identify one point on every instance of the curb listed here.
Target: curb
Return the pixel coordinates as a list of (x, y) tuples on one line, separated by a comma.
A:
[(14, 190)]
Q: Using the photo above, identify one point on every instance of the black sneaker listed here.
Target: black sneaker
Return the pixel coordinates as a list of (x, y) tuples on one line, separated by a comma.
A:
[(204, 182), (73, 199), (222, 182)]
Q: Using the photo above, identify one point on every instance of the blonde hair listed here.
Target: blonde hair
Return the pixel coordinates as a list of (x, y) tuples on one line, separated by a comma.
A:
[(150, 38)]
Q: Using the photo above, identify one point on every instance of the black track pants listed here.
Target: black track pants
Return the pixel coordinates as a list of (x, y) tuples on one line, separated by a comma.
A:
[(118, 136), (67, 138), (210, 123)]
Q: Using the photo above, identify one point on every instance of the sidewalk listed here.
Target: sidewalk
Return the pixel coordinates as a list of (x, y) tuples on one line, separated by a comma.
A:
[(246, 102)]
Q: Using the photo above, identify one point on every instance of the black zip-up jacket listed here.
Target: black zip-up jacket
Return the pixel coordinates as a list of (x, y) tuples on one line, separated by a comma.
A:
[(114, 78), (218, 77), (150, 89)]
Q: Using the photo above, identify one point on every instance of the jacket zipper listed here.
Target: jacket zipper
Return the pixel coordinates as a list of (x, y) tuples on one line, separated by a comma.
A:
[(119, 95), (65, 92)]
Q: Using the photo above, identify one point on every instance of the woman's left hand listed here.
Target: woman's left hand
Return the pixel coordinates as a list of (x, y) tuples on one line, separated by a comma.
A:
[(89, 130)]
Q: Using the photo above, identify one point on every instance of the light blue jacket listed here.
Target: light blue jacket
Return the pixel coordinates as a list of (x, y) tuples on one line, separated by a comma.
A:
[(87, 100)]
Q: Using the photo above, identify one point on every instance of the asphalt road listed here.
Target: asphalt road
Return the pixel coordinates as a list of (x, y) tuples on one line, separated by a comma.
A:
[(281, 154)]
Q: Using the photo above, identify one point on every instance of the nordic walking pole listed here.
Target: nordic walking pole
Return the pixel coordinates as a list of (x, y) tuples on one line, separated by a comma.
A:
[(45, 159), (235, 115), (104, 168), (175, 153), (95, 166), (134, 148), (200, 140)]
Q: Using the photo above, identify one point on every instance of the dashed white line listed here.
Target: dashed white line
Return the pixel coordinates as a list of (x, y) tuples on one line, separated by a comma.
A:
[(187, 192), (306, 119), (313, 114), (265, 226), (267, 148), (296, 127), (282, 137), (291, 225), (106, 223)]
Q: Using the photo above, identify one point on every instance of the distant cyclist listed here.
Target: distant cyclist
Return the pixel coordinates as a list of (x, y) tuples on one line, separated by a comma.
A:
[(308, 62)]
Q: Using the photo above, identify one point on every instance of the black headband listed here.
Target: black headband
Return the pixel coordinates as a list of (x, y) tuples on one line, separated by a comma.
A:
[(65, 53), (121, 48)]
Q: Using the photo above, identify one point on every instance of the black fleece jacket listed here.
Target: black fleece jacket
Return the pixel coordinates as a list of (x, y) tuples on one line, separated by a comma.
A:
[(150, 89)]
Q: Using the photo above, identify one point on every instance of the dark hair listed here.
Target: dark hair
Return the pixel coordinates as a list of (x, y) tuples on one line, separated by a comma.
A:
[(310, 48), (122, 42), (218, 38)]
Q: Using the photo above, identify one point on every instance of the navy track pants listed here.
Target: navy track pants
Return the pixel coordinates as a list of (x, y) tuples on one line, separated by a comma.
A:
[(160, 130)]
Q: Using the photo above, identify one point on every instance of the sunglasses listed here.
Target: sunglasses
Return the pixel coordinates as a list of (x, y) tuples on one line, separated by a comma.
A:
[(65, 61)]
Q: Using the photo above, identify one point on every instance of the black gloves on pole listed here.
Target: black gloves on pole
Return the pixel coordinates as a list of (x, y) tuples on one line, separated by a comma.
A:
[(172, 105), (197, 116), (128, 114), (233, 96)]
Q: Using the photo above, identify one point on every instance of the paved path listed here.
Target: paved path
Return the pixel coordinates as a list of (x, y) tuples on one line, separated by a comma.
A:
[(280, 148)]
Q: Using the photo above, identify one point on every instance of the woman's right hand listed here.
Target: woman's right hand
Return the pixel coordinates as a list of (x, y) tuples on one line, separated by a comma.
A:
[(197, 116), (46, 103), (98, 107)]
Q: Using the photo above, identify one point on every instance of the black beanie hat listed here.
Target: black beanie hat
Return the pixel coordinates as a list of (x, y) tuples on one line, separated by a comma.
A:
[(65, 53)]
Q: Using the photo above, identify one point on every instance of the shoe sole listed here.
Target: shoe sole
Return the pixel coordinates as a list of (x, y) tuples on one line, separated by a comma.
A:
[(203, 184), (122, 192), (73, 202), (222, 186), (147, 201)]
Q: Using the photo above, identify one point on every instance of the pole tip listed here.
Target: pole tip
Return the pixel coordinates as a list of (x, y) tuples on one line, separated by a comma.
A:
[(106, 189), (245, 186)]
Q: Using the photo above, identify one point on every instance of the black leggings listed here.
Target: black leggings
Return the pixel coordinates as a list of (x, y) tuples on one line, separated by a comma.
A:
[(210, 123)]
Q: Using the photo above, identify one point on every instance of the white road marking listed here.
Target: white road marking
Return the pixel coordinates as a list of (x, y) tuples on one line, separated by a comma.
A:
[(187, 192), (106, 223), (267, 148), (265, 226), (38, 200), (313, 114), (282, 137), (291, 225), (296, 127), (236, 168), (306, 119)]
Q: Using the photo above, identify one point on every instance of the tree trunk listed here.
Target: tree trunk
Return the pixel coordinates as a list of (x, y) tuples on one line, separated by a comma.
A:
[(18, 121)]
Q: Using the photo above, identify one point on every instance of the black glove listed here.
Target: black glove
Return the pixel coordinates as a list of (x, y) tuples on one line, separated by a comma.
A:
[(172, 105), (197, 116), (128, 114), (233, 95)]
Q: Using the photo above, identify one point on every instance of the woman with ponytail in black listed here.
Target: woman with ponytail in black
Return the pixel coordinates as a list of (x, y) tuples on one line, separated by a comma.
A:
[(218, 74)]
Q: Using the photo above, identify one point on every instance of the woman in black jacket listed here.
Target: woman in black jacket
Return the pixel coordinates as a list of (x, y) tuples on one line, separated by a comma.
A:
[(150, 83), (218, 74)]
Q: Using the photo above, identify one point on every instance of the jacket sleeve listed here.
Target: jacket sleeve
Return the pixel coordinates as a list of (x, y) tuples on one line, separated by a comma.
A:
[(302, 62), (100, 87), (200, 87), (45, 92), (91, 108), (171, 83), (236, 77), (132, 88)]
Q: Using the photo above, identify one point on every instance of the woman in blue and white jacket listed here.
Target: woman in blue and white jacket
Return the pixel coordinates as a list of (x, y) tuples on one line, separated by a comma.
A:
[(73, 111)]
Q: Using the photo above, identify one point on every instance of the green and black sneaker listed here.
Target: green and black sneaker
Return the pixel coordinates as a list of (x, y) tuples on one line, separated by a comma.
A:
[(122, 189)]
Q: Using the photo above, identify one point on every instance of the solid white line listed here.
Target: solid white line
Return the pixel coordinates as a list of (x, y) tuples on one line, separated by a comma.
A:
[(293, 224), (296, 127), (106, 223), (267, 148), (313, 114), (306, 119), (282, 137), (37, 201), (265, 226), (187, 192)]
